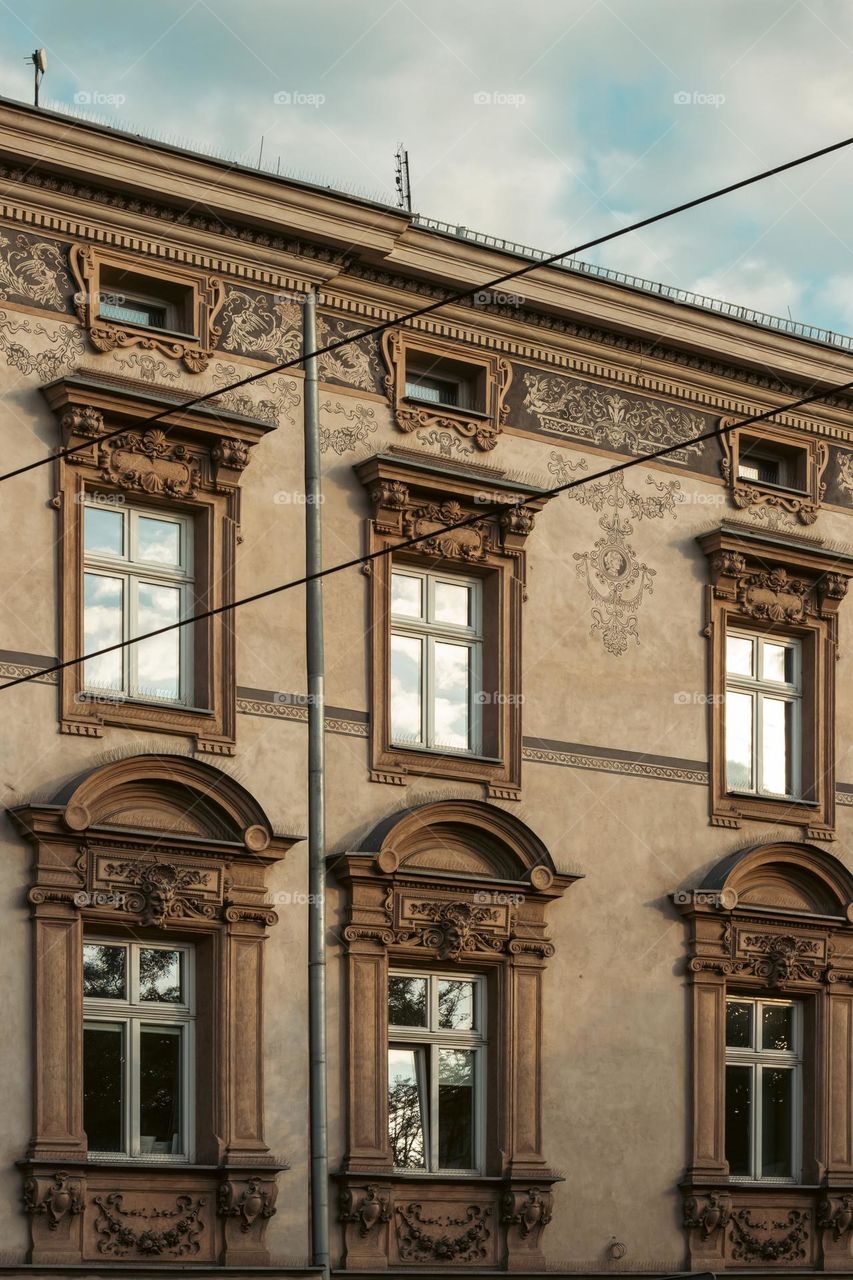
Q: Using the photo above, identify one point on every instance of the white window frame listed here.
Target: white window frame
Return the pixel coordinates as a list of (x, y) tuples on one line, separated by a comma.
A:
[(757, 1059), (758, 689), (131, 1014), (427, 633), (132, 572), (432, 1038)]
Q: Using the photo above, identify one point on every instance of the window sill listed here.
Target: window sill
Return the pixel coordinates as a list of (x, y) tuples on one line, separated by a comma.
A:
[(440, 407), (773, 799), (444, 753), (126, 325), (87, 698)]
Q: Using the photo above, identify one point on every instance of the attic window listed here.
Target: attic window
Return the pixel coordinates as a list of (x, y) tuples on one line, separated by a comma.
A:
[(772, 463), (452, 384), (130, 298)]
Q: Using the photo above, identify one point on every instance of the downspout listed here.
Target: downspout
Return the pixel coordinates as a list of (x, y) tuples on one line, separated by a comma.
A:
[(316, 799)]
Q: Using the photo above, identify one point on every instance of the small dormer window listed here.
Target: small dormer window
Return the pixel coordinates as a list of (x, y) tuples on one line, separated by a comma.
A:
[(454, 384), (772, 463), (128, 297)]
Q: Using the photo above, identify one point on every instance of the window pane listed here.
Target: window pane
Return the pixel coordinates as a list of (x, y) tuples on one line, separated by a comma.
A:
[(777, 1101), (158, 541), (455, 1109), (452, 695), (778, 663), (160, 1091), (406, 595), (776, 751), (407, 1002), (103, 602), (739, 741), (406, 689), (104, 971), (739, 1120), (160, 976), (739, 655), (158, 659), (777, 1026), (455, 1005), (453, 604), (406, 1119), (103, 1086), (103, 531), (739, 1024)]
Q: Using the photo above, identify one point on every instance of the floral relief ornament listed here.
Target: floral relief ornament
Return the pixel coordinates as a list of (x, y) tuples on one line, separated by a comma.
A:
[(34, 270)]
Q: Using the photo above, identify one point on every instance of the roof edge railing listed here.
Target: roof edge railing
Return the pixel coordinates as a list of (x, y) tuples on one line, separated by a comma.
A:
[(828, 337)]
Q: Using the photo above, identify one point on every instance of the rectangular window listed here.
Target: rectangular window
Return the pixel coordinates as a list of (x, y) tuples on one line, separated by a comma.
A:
[(763, 1089), (436, 661), (436, 1072), (441, 381), (130, 297), (137, 577), (763, 715), (137, 1049), (772, 463)]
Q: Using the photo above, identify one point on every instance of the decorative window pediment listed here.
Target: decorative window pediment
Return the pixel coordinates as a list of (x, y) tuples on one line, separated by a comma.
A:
[(137, 855), (773, 596), (434, 383), (414, 497), (129, 302), (445, 889), (186, 469), (771, 936), (776, 469)]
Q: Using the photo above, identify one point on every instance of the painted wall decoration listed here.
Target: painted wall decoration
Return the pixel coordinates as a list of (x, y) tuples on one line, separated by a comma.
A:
[(257, 324), (845, 473), (358, 425), (280, 395), (611, 418), (615, 578), (446, 443), (356, 365), (34, 271), (63, 351), (148, 368)]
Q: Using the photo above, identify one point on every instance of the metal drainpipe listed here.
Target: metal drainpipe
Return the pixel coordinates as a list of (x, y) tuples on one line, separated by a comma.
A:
[(316, 800)]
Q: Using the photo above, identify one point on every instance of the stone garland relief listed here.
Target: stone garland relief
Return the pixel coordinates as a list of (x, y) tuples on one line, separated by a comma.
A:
[(616, 580), (152, 1233), (628, 424)]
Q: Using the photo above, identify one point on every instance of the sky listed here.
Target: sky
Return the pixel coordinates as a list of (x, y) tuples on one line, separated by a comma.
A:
[(548, 122)]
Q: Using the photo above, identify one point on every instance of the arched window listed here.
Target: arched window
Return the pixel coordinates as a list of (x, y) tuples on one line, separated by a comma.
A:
[(771, 975), (149, 911), (446, 946)]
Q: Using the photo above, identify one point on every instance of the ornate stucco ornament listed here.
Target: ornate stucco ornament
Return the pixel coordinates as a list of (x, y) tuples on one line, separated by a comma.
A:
[(61, 1198), (254, 1204), (453, 1239), (120, 1237), (371, 1210)]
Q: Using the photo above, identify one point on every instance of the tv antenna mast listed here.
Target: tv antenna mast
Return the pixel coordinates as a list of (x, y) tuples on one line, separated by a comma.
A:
[(39, 61), (404, 189)]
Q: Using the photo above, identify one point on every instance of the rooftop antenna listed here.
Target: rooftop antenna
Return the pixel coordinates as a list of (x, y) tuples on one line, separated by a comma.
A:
[(39, 61), (401, 180), (261, 152)]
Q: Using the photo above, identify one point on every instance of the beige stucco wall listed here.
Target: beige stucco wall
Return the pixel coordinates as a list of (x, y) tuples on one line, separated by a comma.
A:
[(615, 1046)]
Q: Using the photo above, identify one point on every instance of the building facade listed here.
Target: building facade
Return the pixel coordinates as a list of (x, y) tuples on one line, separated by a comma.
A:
[(589, 789)]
